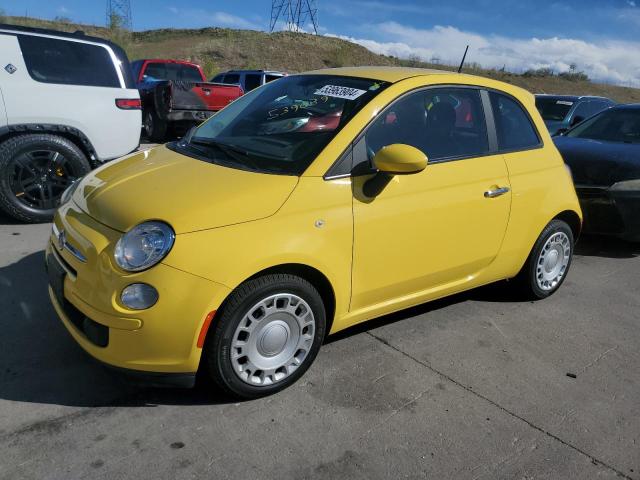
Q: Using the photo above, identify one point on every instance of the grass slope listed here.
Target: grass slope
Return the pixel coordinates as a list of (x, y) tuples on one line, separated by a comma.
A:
[(218, 49)]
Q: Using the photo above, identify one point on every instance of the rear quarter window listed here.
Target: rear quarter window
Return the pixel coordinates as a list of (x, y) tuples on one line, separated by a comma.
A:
[(51, 60), (514, 127), (232, 78)]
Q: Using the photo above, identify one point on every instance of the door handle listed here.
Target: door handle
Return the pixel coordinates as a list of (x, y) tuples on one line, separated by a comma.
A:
[(496, 192)]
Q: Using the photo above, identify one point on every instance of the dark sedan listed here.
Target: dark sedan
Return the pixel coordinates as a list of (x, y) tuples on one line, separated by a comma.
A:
[(604, 156), (561, 112)]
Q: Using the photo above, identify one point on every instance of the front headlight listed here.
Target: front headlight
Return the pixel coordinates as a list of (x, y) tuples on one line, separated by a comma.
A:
[(68, 193), (143, 246)]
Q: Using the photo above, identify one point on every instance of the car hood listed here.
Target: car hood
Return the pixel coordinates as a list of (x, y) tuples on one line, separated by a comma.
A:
[(598, 163), (187, 193)]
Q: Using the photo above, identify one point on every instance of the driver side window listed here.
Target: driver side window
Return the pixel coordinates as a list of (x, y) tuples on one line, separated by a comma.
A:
[(445, 123)]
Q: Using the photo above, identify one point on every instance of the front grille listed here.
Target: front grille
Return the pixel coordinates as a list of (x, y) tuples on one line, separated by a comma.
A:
[(96, 333), (63, 262)]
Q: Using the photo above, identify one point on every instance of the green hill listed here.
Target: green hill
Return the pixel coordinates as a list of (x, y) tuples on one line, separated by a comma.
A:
[(218, 49)]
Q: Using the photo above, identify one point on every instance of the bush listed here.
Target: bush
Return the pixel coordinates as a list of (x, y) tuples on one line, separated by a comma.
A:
[(539, 73), (574, 76)]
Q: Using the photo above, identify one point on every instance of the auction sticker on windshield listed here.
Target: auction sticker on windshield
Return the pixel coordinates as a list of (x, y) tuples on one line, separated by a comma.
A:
[(340, 92)]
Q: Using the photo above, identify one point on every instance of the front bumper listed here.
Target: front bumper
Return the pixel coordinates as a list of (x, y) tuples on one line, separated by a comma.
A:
[(610, 212), (159, 340)]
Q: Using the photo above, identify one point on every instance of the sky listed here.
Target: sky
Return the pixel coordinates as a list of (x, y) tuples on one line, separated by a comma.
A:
[(601, 37)]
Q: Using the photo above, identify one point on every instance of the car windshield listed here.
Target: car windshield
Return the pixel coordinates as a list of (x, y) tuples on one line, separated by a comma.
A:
[(553, 109), (614, 125), (281, 127), (172, 71)]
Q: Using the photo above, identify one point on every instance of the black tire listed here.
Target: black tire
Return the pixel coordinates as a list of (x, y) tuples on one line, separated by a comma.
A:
[(217, 363), (155, 128), (34, 171), (527, 279)]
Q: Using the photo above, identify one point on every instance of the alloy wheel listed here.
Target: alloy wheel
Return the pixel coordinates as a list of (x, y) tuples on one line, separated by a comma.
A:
[(39, 177)]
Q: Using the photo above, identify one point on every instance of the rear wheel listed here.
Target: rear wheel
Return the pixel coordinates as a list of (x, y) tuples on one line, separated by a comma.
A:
[(155, 128), (549, 261), (34, 171), (267, 336)]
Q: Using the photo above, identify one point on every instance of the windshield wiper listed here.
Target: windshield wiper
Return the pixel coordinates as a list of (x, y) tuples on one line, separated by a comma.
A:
[(238, 154)]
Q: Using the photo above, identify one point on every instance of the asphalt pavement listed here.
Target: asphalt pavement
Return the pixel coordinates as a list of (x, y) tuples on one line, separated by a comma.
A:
[(478, 386)]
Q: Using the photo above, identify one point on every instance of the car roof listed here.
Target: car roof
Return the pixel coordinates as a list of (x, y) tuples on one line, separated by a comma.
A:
[(253, 71), (626, 106), (167, 60), (384, 74), (571, 97), (77, 35)]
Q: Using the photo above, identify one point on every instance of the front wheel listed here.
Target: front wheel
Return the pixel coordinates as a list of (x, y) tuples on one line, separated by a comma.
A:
[(549, 261), (268, 334), (35, 170)]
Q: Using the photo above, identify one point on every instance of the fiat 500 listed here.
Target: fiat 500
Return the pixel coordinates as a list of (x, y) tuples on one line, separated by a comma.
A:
[(309, 205)]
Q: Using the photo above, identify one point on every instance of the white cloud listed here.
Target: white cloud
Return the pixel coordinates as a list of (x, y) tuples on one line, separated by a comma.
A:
[(631, 3), (610, 61), (216, 18), (228, 20)]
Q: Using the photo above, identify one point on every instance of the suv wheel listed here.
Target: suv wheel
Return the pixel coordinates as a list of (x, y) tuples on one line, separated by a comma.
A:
[(155, 129), (549, 261), (267, 336), (34, 171)]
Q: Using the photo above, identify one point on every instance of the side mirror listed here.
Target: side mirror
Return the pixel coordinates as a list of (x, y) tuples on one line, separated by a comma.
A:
[(576, 120), (400, 159), (396, 159)]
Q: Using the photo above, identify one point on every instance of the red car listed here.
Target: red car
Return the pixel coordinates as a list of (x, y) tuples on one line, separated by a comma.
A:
[(176, 93)]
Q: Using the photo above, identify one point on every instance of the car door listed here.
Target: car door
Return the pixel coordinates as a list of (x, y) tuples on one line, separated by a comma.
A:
[(9, 49), (441, 227), (3, 111), (71, 82)]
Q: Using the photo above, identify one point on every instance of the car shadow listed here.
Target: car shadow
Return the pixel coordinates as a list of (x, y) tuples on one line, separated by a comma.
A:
[(499, 292), (41, 363), (7, 220), (606, 247)]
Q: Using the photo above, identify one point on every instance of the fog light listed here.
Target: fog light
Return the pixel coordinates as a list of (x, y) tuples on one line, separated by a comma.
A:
[(139, 296)]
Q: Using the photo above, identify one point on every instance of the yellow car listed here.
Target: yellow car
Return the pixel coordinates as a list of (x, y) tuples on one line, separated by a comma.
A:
[(309, 205)]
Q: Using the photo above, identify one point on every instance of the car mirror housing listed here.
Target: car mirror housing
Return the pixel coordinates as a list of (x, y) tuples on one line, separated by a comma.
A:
[(400, 159), (396, 159)]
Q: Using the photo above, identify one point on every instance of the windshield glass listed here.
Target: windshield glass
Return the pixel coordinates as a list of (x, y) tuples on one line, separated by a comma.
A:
[(617, 125), (172, 71), (281, 127), (553, 109)]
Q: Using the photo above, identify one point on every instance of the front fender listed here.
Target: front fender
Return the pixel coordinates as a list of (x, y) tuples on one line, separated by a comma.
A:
[(313, 228)]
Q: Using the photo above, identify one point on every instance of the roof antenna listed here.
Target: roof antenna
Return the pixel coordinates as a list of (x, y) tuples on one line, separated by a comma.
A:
[(463, 57)]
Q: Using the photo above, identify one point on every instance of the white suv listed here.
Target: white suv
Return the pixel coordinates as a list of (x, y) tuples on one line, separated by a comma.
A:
[(67, 104)]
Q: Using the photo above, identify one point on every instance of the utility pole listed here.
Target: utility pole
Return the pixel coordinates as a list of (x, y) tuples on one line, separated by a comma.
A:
[(119, 14), (295, 14)]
